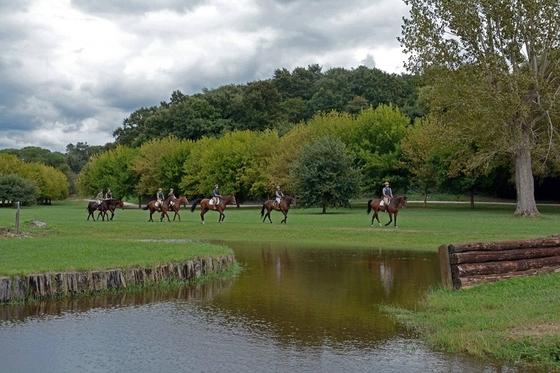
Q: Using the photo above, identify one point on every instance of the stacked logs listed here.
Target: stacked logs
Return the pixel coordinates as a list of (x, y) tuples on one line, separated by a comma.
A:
[(469, 264), (49, 285)]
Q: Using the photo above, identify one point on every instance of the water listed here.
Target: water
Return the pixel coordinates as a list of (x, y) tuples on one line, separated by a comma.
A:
[(291, 310)]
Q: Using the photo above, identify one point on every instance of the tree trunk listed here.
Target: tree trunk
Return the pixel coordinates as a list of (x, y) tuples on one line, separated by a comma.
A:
[(524, 182)]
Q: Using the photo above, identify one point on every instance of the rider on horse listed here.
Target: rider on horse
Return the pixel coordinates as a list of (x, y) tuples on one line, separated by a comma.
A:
[(279, 195), (108, 195), (159, 197), (171, 197), (387, 193), (99, 197), (216, 195)]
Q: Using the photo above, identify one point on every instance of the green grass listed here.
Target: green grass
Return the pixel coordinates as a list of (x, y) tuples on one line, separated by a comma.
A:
[(516, 320), (71, 242)]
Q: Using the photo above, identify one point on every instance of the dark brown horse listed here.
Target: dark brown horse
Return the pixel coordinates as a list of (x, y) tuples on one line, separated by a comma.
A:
[(283, 207), (206, 206), (112, 205), (392, 208), (176, 206), (103, 207)]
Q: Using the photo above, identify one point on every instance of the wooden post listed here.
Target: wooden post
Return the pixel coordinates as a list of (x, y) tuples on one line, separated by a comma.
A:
[(17, 218), (445, 266)]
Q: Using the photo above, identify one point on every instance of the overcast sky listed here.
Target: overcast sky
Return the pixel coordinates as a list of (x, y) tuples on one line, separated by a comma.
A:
[(72, 70)]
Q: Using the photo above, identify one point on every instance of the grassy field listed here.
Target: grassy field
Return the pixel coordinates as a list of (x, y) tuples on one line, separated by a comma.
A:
[(517, 320), (71, 242)]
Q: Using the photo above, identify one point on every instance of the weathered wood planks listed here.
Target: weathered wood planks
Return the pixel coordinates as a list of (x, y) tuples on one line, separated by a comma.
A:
[(468, 264)]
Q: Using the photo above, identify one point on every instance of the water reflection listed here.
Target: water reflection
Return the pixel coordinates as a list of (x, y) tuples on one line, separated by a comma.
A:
[(292, 309)]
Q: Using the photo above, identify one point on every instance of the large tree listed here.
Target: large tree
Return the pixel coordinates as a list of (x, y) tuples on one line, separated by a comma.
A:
[(494, 69), (323, 174)]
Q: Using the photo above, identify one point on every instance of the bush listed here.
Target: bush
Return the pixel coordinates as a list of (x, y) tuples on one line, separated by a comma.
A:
[(14, 188)]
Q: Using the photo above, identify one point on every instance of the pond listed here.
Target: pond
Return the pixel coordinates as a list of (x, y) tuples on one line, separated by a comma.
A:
[(304, 309)]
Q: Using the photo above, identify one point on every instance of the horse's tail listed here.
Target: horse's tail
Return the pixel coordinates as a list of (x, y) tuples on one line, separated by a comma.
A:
[(145, 208), (262, 211), (369, 206), (194, 203)]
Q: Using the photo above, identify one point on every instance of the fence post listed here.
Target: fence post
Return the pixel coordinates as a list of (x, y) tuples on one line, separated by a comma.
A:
[(17, 218), (445, 266)]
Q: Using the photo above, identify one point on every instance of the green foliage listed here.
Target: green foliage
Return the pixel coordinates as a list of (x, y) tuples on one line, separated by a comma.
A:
[(159, 164), (494, 82), (15, 188), (278, 103), (324, 176), (111, 169), (51, 183), (78, 155), (237, 162)]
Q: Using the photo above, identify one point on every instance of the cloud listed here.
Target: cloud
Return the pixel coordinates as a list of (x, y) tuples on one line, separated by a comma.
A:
[(71, 71)]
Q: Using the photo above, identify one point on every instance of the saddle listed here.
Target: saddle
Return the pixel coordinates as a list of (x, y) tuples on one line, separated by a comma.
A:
[(211, 203)]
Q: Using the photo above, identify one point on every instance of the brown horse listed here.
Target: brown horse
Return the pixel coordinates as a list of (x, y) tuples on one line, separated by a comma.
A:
[(153, 207), (112, 205), (176, 206), (103, 207), (206, 206), (283, 207), (392, 208)]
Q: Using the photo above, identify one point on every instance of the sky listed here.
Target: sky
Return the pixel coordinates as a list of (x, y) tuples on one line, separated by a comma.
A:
[(72, 70)]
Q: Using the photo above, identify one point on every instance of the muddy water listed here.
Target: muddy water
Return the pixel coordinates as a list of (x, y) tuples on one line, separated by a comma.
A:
[(293, 309)]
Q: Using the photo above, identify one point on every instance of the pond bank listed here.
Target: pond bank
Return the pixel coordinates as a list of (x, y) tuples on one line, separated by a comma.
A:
[(51, 285)]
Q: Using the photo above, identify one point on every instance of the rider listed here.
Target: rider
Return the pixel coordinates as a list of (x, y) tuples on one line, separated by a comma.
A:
[(279, 195), (171, 197), (108, 195), (99, 197), (387, 193), (216, 195), (159, 197)]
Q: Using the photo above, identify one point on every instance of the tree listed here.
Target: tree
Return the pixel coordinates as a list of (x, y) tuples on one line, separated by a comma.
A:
[(159, 163), (420, 152), (15, 188), (111, 169), (324, 175), (494, 69)]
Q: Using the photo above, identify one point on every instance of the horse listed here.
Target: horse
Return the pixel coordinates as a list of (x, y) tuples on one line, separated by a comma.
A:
[(177, 206), (163, 207), (103, 207), (392, 208), (206, 206), (112, 204), (283, 207)]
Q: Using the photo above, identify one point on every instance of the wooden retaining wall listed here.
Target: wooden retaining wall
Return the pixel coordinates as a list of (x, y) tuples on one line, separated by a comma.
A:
[(469, 264), (44, 286)]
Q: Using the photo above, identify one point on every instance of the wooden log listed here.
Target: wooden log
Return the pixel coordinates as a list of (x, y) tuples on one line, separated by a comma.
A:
[(493, 256), (445, 267), (5, 289), (553, 241), (467, 282), (477, 269)]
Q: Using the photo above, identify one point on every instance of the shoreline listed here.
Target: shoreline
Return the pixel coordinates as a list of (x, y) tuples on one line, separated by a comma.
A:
[(63, 284)]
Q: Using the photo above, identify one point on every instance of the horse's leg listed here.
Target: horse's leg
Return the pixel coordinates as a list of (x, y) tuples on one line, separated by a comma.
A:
[(268, 211), (390, 218), (151, 213), (202, 212), (285, 217), (396, 212)]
